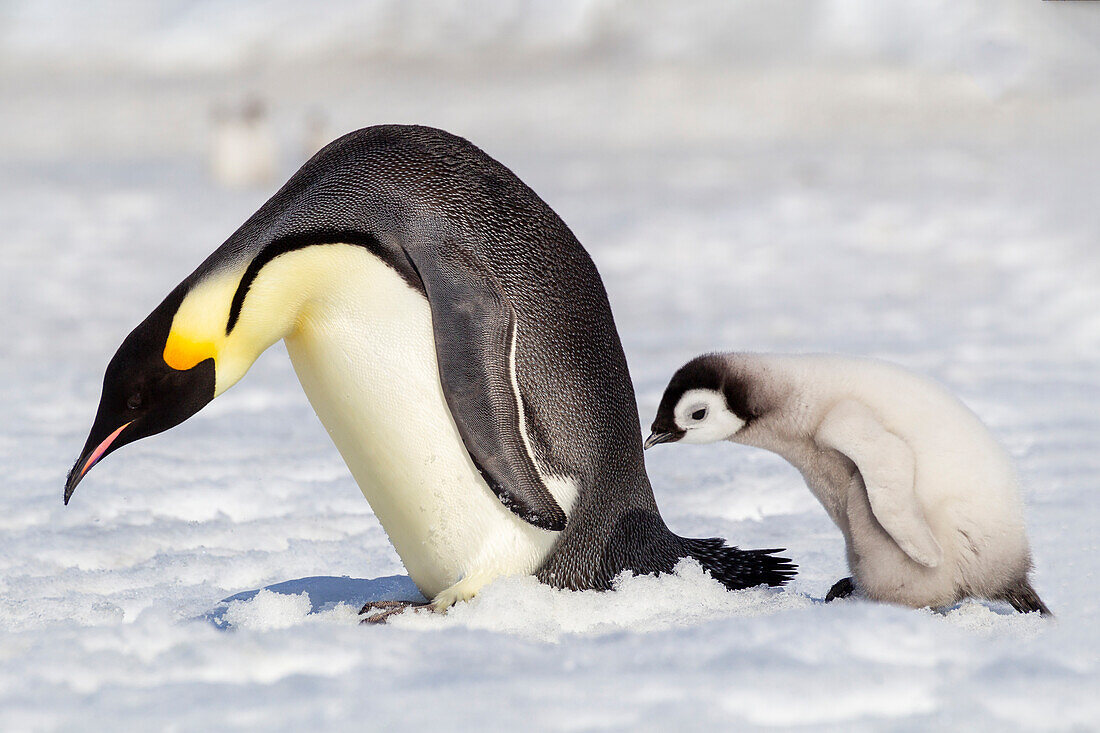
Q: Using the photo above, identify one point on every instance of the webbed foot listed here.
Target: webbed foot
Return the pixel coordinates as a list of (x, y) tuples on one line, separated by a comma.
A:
[(377, 612), (463, 590), (841, 589)]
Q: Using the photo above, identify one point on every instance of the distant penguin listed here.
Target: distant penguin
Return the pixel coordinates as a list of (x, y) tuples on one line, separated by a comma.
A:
[(455, 340), (928, 501), (243, 150)]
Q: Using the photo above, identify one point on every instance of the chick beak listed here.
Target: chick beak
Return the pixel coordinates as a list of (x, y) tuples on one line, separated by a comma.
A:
[(656, 438)]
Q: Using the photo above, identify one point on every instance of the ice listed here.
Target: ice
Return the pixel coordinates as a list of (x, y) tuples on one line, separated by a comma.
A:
[(267, 610), (909, 182), (524, 607)]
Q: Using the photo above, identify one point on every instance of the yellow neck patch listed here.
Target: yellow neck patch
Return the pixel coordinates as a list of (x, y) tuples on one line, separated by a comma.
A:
[(183, 353), (198, 328), (276, 299)]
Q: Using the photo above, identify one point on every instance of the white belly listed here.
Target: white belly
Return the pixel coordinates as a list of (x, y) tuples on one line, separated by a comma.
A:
[(365, 355)]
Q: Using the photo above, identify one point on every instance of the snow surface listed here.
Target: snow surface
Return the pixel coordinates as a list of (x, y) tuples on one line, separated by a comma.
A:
[(915, 185)]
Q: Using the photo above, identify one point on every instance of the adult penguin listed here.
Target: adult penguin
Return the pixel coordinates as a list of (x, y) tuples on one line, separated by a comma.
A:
[(456, 342)]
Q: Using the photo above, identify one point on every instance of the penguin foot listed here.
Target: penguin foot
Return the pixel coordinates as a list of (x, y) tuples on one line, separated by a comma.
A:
[(841, 589), (463, 590), (377, 612)]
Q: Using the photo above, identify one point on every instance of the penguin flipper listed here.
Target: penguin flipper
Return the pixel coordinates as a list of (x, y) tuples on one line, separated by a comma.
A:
[(475, 332), (888, 467)]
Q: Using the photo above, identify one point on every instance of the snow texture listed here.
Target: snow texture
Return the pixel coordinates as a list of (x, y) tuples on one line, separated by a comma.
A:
[(914, 183)]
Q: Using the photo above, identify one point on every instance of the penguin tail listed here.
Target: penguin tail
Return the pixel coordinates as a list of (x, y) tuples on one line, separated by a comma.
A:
[(1024, 599), (738, 569)]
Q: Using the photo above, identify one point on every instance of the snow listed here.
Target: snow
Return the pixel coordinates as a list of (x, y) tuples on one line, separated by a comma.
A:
[(916, 185)]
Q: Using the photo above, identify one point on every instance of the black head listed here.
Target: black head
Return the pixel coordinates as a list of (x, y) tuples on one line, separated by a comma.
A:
[(142, 395), (711, 374)]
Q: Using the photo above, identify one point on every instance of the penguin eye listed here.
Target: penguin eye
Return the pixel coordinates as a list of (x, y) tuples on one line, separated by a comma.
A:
[(134, 401), (699, 414)]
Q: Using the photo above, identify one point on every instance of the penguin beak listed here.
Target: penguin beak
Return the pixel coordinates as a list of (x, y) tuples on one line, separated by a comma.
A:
[(89, 458), (657, 438)]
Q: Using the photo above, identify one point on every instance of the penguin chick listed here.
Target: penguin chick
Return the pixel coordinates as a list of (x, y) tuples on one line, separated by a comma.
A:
[(928, 501)]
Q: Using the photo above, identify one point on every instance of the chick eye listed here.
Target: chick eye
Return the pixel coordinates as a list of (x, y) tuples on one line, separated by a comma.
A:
[(699, 414), (134, 401)]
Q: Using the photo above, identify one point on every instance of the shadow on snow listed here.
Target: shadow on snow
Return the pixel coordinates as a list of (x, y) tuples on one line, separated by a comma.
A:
[(325, 591)]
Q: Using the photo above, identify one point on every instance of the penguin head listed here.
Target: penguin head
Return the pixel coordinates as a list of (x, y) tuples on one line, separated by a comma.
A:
[(142, 395), (198, 343), (704, 402)]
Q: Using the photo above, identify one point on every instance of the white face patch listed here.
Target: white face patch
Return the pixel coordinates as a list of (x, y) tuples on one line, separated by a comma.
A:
[(703, 416)]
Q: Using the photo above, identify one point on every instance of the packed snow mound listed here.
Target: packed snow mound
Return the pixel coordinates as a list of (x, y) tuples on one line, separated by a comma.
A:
[(269, 611), (641, 603), (521, 606)]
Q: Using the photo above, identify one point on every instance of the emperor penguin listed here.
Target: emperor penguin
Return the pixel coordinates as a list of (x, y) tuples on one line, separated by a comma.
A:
[(456, 342), (243, 148), (926, 498)]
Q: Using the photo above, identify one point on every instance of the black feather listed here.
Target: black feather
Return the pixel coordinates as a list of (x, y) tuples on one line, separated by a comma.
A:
[(736, 568)]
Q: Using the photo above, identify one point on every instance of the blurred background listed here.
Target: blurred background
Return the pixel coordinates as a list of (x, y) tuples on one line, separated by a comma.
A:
[(718, 132), (139, 79), (910, 180)]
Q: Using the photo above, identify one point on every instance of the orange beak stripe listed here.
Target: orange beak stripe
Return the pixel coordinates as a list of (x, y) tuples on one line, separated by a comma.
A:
[(100, 450)]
